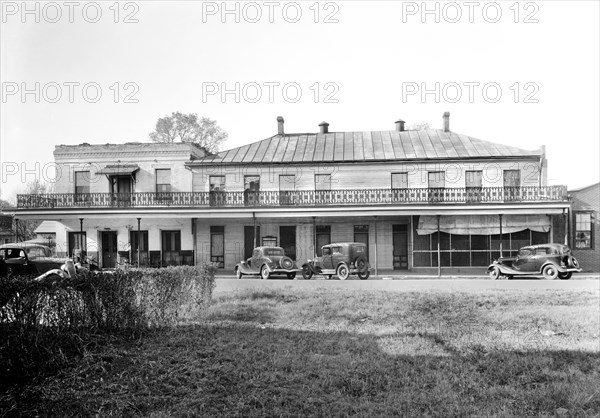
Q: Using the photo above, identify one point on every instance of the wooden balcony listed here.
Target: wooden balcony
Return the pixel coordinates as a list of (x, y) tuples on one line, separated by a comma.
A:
[(308, 198)]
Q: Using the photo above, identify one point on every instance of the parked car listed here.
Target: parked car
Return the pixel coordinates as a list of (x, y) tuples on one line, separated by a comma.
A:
[(341, 259), (33, 259), (267, 261), (549, 260)]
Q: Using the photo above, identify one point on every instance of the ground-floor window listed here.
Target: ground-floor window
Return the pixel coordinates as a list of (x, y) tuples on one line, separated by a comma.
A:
[(470, 250), (217, 245), (583, 230), (171, 248), (139, 240), (77, 245), (323, 236)]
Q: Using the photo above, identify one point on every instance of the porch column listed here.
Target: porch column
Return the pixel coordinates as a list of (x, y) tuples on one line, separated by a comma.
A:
[(16, 229), (82, 241), (551, 238), (439, 255), (254, 220), (500, 217), (139, 237), (567, 217), (376, 261), (314, 218)]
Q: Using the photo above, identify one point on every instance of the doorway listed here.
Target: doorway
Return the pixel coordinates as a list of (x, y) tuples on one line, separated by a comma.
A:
[(109, 249), (400, 246), (287, 240), (249, 240), (361, 234)]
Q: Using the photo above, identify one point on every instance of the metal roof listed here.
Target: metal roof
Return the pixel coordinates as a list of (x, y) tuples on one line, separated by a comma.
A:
[(364, 146)]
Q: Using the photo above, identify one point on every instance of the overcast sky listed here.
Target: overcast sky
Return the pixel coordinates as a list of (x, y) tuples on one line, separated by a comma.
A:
[(522, 74)]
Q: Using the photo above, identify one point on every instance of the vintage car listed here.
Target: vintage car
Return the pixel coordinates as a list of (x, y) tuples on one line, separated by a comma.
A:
[(267, 261), (548, 260), (33, 259), (341, 259)]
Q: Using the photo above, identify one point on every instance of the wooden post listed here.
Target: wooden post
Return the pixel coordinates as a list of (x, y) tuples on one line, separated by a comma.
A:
[(376, 261), (17, 229), (81, 241), (314, 237), (139, 241), (500, 216), (254, 219), (439, 256)]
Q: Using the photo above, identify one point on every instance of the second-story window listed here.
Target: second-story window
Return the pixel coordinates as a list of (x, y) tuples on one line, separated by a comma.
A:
[(216, 190), (436, 183), (512, 184), (251, 190), (82, 186), (474, 184), (163, 180), (399, 180), (287, 187)]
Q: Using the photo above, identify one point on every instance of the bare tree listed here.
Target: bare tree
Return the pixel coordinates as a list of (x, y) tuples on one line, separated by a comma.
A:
[(180, 127)]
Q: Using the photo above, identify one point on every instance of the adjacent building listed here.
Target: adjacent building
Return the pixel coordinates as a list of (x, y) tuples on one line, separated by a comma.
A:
[(585, 227), (421, 200)]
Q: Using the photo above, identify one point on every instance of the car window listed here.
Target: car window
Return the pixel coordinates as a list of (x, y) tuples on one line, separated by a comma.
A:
[(524, 252), (337, 250), (35, 252), (542, 251), (359, 249), (273, 252), (326, 250)]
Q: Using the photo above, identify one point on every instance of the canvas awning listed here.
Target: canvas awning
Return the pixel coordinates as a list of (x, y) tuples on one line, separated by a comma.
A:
[(482, 224), (119, 169)]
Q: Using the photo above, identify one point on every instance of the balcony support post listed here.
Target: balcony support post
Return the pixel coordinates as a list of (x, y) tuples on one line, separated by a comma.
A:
[(139, 242), (439, 255), (314, 219), (500, 217), (254, 220), (376, 261), (82, 241)]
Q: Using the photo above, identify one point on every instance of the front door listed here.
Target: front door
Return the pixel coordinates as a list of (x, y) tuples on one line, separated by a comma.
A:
[(249, 240), (400, 246), (287, 240), (109, 249)]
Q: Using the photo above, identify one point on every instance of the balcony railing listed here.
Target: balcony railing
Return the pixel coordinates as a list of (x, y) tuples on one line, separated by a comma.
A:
[(358, 197)]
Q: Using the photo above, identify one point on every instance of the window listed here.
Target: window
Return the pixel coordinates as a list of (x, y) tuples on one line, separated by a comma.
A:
[(512, 184), (217, 245), (287, 187), (323, 235), (82, 186), (474, 185), (142, 243), (171, 248), (251, 190), (436, 183), (77, 244), (399, 180), (163, 183), (583, 230), (216, 191)]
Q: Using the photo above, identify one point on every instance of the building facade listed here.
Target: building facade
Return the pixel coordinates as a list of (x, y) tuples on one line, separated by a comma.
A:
[(421, 200), (585, 226)]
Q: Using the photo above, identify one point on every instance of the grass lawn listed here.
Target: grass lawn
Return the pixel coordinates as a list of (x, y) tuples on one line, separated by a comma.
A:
[(340, 353)]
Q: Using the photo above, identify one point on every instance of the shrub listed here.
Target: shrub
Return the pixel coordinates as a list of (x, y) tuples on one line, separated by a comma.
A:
[(45, 324)]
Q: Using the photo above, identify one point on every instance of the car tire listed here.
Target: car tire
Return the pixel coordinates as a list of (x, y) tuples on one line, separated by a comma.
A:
[(550, 272), (291, 276), (574, 263), (306, 273), (565, 276), (365, 275), (342, 271), (286, 263), (361, 264), (494, 273), (264, 272), (239, 273)]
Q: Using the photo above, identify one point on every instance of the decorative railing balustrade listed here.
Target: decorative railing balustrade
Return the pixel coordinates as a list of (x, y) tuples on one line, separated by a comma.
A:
[(358, 197)]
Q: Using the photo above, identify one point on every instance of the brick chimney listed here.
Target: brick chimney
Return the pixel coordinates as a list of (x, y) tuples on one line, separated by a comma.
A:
[(280, 125), (324, 127), (400, 125), (446, 118)]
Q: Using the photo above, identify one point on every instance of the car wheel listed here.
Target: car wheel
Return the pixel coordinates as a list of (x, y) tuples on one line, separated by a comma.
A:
[(342, 271), (286, 263), (291, 276), (565, 276), (365, 275), (550, 272), (306, 273), (264, 272), (361, 264), (494, 273), (238, 273)]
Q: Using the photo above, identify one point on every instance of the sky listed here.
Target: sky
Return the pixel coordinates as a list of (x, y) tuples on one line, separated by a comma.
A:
[(524, 74)]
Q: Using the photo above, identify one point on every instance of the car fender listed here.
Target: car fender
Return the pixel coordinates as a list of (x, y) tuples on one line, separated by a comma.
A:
[(56, 272), (557, 267), (245, 268)]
